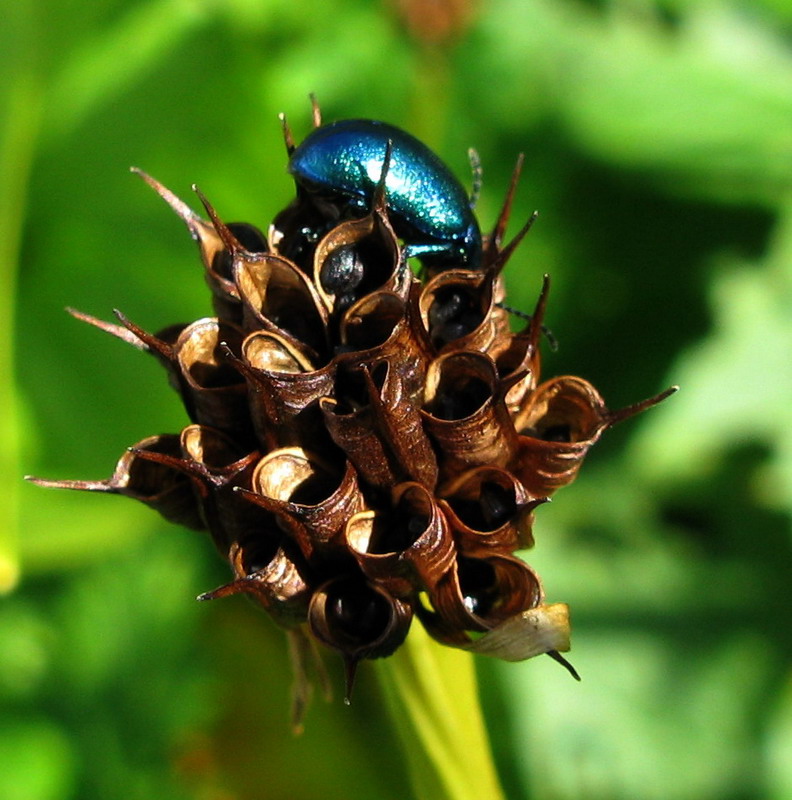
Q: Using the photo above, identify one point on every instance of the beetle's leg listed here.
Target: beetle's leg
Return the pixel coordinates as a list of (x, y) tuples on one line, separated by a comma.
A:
[(548, 334), (478, 172), (423, 250)]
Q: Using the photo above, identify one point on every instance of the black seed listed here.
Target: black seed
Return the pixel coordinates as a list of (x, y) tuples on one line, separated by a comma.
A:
[(556, 433)]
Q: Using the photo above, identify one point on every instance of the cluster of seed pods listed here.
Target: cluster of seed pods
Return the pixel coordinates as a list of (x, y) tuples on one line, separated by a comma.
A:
[(363, 454)]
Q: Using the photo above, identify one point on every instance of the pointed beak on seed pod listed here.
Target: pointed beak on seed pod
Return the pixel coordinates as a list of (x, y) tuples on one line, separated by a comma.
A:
[(364, 443)]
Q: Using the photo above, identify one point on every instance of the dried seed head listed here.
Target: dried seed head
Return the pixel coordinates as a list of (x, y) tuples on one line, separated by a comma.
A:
[(363, 443)]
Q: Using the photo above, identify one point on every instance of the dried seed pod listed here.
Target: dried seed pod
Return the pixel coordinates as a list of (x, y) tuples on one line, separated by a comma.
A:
[(477, 595), (220, 466), (378, 328), (311, 499), (279, 298), (214, 393), (284, 390), (488, 508), (406, 549), (373, 421), (163, 487), (216, 466), (520, 363), (352, 431), (273, 574), (561, 420), (358, 257), (400, 425), (465, 413), (358, 619), (458, 312), (559, 423)]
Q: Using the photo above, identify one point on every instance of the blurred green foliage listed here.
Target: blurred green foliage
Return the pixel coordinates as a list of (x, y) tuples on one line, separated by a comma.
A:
[(658, 142)]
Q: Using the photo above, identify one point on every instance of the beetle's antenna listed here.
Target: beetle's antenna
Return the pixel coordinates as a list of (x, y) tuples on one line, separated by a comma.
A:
[(478, 172)]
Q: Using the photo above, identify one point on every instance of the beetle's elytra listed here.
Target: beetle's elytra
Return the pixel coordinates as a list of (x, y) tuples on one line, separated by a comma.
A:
[(429, 208)]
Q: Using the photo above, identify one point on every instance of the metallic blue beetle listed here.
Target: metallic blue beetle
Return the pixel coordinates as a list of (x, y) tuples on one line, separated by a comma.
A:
[(429, 208)]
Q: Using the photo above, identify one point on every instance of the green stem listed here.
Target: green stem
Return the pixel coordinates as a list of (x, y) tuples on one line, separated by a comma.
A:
[(432, 696), (18, 137)]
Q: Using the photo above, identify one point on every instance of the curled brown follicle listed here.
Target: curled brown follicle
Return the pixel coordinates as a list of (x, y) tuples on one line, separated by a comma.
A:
[(377, 328), (562, 419), (222, 465), (465, 413), (399, 423), (271, 352), (221, 455), (375, 323), (213, 392), (558, 424), (162, 486), (355, 258), (273, 574), (351, 429), (458, 311), (279, 298), (284, 390), (359, 620), (372, 419), (480, 593), (405, 549), (488, 508), (522, 357), (312, 499)]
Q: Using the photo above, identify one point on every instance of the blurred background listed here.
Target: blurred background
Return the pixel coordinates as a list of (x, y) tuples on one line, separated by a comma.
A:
[(658, 144)]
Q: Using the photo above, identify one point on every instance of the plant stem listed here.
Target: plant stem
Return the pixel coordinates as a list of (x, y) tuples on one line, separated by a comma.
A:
[(432, 696), (18, 137)]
